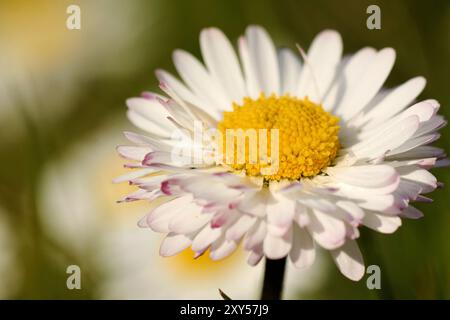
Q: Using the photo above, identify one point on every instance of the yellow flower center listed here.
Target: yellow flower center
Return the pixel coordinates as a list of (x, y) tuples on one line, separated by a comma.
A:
[(307, 136)]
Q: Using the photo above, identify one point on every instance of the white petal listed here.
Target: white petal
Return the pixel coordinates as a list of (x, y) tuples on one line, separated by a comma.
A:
[(210, 189), (424, 178), (263, 58), (382, 223), (152, 111), (205, 238), (411, 213), (222, 248), (349, 260), (389, 203), (351, 208), (133, 175), (254, 203), (395, 101), (371, 176), (423, 110), (419, 152), (142, 195), (280, 212), (277, 247), (163, 157), (133, 152), (385, 140), (348, 78), (301, 215), (356, 192), (442, 163), (408, 189), (181, 90), (145, 124), (174, 243), (290, 67), (222, 63), (303, 252), (320, 66), (328, 231), (430, 126), (415, 142), (424, 163), (159, 218), (255, 236), (369, 84), (179, 114), (255, 257), (151, 141), (224, 217), (150, 183), (240, 227), (317, 203), (189, 220), (198, 79), (251, 77)]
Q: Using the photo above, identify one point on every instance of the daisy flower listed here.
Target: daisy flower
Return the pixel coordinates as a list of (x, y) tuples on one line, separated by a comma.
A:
[(350, 153)]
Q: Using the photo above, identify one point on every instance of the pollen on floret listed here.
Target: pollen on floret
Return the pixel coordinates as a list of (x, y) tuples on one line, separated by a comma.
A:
[(307, 135)]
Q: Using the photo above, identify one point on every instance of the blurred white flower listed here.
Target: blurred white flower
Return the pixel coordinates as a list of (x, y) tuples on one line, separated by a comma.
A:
[(43, 63), (79, 210)]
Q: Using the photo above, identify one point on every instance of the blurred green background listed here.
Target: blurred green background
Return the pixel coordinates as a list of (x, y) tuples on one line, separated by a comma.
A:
[(62, 111)]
